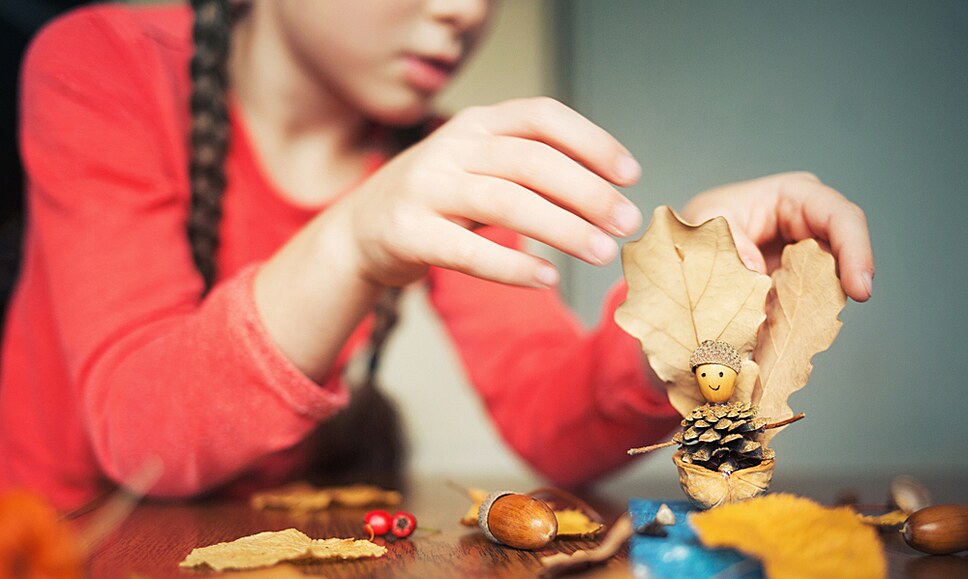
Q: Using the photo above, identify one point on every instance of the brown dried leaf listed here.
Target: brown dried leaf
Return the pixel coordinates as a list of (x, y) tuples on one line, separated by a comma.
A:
[(687, 284), (802, 312), (304, 498), (795, 537), (271, 547), (615, 539)]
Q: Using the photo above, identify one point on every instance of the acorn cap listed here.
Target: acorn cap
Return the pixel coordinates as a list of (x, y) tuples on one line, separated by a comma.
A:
[(712, 352)]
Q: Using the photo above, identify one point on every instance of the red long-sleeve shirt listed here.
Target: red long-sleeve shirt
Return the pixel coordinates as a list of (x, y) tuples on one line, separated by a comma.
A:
[(110, 356)]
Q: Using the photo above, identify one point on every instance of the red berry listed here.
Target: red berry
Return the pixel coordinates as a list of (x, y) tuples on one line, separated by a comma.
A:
[(404, 524), (377, 522)]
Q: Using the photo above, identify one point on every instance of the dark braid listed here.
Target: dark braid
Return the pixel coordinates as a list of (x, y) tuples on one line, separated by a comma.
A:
[(363, 442), (210, 134)]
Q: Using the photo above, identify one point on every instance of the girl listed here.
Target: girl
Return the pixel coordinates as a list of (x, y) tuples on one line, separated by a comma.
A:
[(314, 184)]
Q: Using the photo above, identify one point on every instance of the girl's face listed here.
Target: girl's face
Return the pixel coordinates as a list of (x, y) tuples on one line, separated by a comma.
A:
[(384, 58)]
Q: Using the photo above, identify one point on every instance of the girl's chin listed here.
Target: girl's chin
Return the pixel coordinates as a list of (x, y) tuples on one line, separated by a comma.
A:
[(403, 113)]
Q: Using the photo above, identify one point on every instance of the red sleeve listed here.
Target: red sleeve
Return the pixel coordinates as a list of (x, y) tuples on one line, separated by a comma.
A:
[(154, 369), (568, 400)]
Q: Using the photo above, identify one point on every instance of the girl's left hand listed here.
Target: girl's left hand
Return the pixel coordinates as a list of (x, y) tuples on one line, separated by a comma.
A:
[(767, 213)]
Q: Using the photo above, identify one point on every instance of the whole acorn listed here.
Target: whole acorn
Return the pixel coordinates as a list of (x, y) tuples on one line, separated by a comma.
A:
[(939, 529), (517, 520)]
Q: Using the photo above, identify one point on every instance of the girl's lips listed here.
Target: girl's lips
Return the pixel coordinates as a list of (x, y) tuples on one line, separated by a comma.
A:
[(426, 74)]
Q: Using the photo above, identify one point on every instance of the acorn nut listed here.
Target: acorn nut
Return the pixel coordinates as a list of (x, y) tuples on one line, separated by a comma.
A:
[(939, 530), (517, 520)]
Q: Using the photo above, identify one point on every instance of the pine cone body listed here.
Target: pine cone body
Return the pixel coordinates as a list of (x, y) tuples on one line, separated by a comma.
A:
[(722, 437)]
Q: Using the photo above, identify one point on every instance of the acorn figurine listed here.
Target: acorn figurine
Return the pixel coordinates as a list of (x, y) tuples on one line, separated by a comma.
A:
[(719, 459)]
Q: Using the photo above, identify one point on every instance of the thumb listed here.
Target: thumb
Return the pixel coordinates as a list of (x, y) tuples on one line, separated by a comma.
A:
[(748, 252)]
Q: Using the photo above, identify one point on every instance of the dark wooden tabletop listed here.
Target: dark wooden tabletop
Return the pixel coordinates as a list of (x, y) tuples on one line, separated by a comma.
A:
[(156, 536)]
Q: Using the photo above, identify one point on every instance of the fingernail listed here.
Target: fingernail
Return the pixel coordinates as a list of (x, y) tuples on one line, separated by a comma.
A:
[(603, 247), (628, 169), (546, 276), (749, 261), (626, 218), (867, 278)]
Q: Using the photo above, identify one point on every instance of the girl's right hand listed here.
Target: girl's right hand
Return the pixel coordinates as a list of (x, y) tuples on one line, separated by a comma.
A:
[(532, 165)]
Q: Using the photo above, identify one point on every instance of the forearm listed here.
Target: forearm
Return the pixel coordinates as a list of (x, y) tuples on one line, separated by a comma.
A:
[(207, 392)]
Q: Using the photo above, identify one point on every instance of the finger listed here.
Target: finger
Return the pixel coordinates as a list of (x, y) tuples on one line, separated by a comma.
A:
[(553, 174), (748, 252), (496, 201), (448, 245), (549, 121), (830, 216)]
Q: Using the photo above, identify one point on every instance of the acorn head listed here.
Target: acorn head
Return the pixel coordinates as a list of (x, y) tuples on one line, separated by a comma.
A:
[(716, 365)]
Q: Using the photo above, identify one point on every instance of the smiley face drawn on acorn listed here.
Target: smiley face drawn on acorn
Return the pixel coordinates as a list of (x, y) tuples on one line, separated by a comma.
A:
[(716, 365), (716, 382)]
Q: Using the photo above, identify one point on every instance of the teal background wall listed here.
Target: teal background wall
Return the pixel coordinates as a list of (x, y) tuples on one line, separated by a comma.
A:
[(872, 96)]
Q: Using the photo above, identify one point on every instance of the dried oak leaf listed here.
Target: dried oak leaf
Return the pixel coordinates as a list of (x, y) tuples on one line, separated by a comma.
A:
[(801, 320), (304, 498), (795, 537), (687, 284), (615, 539), (271, 547)]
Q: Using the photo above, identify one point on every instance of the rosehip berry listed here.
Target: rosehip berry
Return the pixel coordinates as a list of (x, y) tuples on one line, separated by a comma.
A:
[(404, 524), (377, 522)]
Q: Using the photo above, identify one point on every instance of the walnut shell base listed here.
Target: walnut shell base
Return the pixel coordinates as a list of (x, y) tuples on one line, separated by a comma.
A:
[(707, 488)]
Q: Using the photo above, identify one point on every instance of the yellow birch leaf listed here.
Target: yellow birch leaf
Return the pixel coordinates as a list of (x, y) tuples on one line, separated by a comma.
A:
[(801, 321), (687, 284), (573, 523), (795, 538), (272, 547)]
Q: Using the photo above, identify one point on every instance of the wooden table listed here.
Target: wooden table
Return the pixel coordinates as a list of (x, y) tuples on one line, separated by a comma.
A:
[(156, 536)]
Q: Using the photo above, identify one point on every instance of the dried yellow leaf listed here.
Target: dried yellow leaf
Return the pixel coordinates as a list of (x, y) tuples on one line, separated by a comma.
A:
[(302, 497), (271, 547), (891, 519), (801, 320), (345, 549), (795, 537), (477, 497), (573, 523), (687, 284)]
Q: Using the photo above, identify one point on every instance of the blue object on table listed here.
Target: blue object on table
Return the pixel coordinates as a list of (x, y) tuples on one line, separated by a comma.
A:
[(681, 555)]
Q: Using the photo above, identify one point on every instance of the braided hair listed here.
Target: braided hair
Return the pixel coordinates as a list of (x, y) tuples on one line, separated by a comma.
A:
[(363, 442)]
